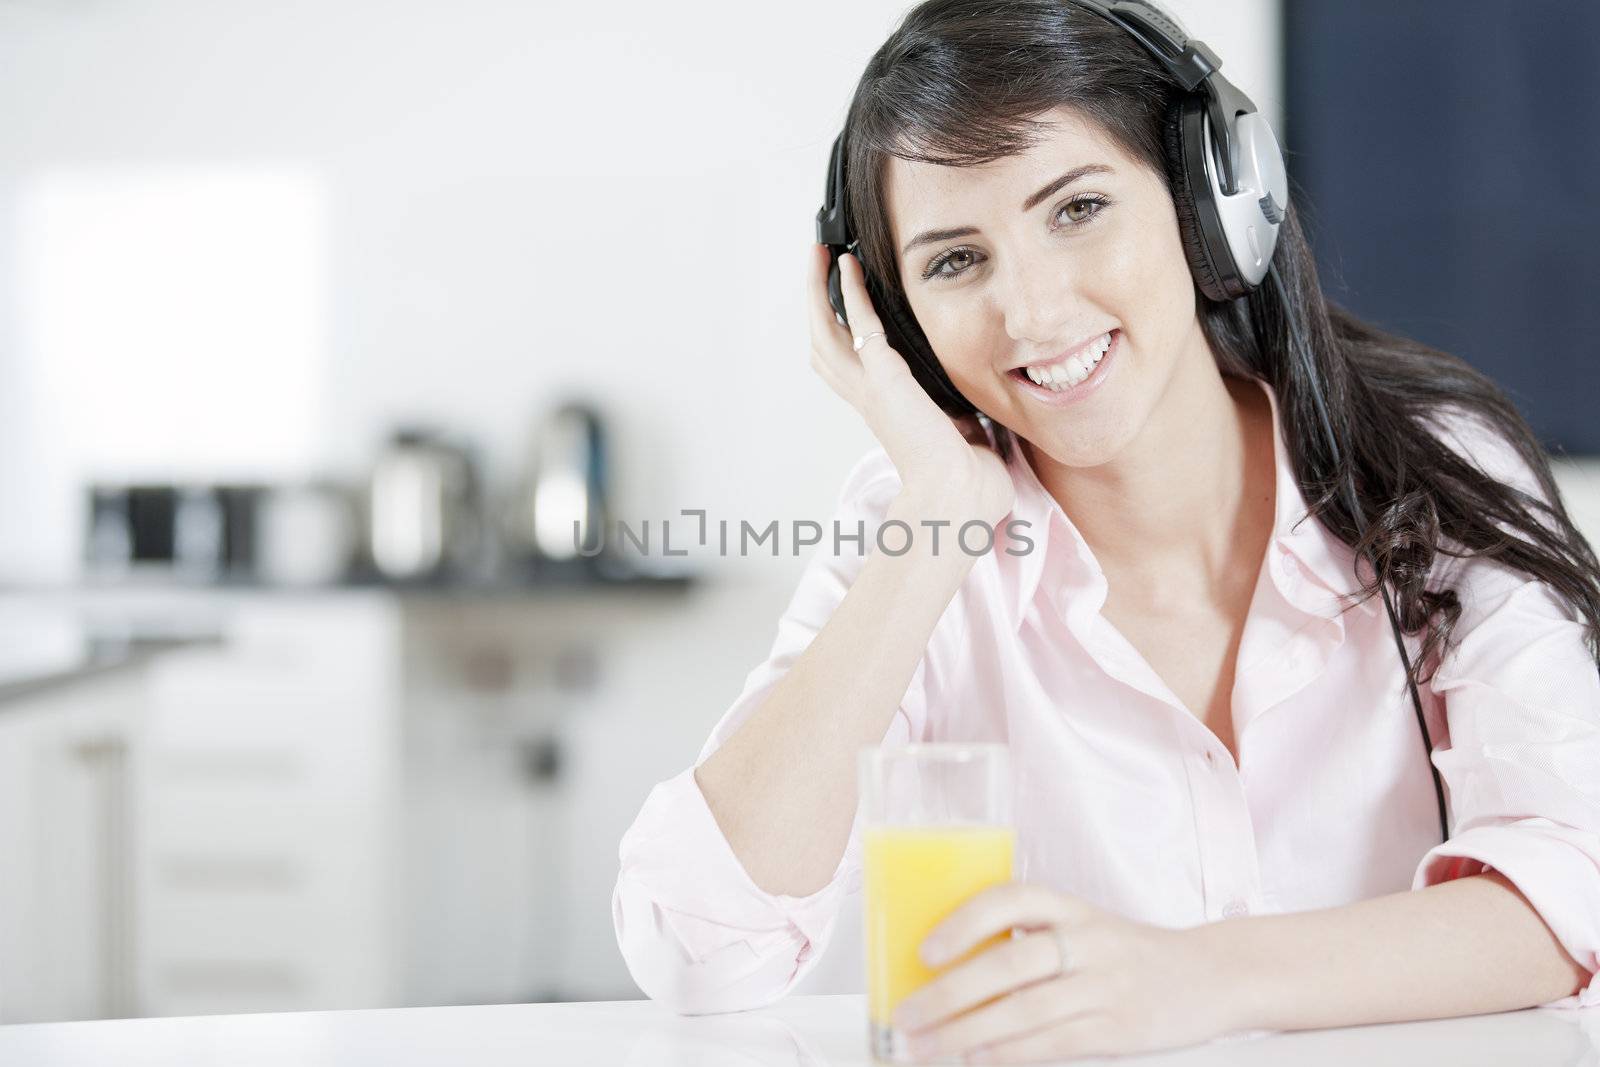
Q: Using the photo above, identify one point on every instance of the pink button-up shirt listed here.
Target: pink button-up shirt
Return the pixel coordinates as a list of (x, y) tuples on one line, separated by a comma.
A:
[(1126, 799)]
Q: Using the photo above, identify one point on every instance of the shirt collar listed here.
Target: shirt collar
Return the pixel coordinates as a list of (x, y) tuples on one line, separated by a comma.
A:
[(1311, 568), (1053, 535)]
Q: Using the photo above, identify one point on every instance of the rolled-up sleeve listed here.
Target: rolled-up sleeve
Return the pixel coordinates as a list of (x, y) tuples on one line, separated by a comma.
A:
[(1522, 760), (696, 932)]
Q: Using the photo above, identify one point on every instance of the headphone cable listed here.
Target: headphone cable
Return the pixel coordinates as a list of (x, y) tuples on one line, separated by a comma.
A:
[(1352, 501)]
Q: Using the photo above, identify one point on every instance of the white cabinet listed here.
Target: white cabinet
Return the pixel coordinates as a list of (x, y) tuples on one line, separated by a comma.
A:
[(490, 685), (268, 771), (67, 818), (215, 830), (347, 799)]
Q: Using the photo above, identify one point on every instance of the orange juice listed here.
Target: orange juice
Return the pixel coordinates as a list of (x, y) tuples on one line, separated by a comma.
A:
[(914, 877)]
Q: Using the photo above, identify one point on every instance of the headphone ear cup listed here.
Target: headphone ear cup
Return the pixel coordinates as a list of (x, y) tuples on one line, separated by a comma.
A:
[(1195, 250), (905, 336)]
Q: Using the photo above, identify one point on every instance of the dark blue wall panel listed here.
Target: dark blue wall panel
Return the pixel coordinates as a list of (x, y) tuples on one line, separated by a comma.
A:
[(1447, 155)]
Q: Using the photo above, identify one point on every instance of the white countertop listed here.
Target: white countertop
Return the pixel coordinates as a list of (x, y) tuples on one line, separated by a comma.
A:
[(798, 1031)]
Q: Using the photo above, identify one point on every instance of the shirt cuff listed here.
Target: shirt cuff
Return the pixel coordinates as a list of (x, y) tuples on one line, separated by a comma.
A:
[(676, 850), (1556, 867)]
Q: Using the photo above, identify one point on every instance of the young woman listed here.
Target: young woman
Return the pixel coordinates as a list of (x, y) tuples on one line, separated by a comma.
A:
[(1227, 818)]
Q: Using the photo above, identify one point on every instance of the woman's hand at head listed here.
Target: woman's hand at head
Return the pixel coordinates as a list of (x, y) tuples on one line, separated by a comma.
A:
[(945, 459)]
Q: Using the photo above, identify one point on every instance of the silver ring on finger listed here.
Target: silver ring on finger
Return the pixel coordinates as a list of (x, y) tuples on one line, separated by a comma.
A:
[(1064, 948), (861, 342)]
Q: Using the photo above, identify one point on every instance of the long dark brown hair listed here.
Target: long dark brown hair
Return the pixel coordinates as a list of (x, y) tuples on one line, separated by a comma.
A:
[(964, 82)]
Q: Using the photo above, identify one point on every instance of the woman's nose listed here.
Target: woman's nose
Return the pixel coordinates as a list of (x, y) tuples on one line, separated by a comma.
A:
[(1035, 300)]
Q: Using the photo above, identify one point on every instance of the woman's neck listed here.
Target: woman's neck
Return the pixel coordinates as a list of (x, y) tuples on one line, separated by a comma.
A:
[(1193, 490)]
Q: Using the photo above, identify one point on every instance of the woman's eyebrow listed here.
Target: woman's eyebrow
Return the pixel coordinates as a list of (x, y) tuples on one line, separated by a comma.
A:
[(1066, 179), (931, 236)]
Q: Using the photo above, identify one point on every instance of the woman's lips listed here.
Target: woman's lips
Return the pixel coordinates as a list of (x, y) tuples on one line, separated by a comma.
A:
[(1076, 362), (1070, 394)]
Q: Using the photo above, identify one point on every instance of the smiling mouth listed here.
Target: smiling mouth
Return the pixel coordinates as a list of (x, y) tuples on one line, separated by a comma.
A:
[(1065, 372)]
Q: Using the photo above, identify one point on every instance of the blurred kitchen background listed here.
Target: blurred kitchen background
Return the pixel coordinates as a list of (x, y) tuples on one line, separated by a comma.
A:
[(320, 323)]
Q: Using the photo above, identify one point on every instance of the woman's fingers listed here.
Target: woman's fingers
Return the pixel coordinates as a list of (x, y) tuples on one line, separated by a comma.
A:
[(1018, 1012), (996, 910), (988, 975), (820, 312), (864, 322), (835, 345), (831, 355)]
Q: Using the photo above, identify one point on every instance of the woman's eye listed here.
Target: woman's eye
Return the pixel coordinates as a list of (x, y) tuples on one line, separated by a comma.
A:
[(1081, 210), (950, 264), (956, 262)]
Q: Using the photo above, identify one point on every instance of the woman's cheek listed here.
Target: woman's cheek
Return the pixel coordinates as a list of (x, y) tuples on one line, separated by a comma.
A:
[(1144, 282), (959, 343), (1127, 274), (972, 384)]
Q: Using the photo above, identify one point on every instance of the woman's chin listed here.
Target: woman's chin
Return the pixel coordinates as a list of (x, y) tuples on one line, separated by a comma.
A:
[(1064, 448), (1080, 454), (1087, 434)]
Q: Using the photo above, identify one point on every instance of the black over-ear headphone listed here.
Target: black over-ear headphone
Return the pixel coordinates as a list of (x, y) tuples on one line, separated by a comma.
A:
[(1231, 195)]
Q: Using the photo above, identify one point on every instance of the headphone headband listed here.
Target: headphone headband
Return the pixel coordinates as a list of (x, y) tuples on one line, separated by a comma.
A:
[(1191, 63)]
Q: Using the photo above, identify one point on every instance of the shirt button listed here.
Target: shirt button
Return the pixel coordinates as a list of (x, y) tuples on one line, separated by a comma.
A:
[(1211, 757), (1235, 909)]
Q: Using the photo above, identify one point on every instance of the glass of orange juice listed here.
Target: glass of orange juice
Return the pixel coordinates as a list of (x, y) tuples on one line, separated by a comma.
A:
[(936, 830)]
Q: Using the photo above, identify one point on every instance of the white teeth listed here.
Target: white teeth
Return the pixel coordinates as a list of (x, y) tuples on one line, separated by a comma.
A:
[(1042, 376), (1069, 372)]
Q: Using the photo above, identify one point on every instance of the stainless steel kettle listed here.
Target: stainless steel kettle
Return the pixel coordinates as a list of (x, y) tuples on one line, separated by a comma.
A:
[(559, 514), (422, 520)]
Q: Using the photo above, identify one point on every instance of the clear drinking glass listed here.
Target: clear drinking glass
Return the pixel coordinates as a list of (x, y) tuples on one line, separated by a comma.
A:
[(936, 829)]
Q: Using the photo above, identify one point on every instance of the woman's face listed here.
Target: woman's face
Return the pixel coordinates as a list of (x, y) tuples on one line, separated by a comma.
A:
[(1009, 269)]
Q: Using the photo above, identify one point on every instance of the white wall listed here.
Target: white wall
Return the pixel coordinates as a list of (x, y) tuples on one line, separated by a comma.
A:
[(514, 200)]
